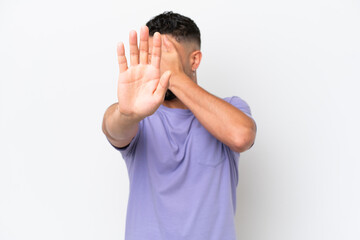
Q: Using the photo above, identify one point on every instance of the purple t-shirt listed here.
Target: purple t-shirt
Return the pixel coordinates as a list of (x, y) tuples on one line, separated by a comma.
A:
[(182, 179)]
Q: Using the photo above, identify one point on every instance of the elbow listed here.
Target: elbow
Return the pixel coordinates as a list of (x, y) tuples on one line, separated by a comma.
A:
[(243, 139)]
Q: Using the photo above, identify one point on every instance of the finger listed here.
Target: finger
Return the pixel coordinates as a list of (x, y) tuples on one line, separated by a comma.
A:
[(156, 50), (121, 57), (163, 85), (134, 51), (167, 45), (144, 45)]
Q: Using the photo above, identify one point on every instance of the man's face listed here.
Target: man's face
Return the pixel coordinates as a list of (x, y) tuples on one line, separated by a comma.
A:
[(184, 52), (182, 49)]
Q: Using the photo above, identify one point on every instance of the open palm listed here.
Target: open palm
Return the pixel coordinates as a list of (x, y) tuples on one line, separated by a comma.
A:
[(141, 89)]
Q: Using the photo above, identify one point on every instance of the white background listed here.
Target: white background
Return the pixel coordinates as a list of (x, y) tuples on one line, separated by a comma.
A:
[(296, 63)]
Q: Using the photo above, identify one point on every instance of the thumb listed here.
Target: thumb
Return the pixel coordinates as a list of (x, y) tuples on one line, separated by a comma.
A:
[(163, 85)]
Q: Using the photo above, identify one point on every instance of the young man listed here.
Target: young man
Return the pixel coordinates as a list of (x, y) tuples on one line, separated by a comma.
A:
[(180, 143)]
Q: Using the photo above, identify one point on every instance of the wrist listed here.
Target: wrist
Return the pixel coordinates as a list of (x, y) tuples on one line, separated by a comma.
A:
[(127, 117), (178, 80)]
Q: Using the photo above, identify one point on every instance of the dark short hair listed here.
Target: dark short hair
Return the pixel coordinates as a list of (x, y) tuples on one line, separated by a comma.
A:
[(178, 26)]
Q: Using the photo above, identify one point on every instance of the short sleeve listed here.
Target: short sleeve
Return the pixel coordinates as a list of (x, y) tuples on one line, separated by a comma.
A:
[(241, 105)]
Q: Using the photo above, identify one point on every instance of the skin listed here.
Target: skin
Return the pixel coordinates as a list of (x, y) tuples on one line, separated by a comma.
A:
[(180, 58), (161, 63)]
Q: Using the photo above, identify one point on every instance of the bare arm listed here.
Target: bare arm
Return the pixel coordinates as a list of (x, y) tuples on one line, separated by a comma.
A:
[(141, 90), (224, 121), (118, 129)]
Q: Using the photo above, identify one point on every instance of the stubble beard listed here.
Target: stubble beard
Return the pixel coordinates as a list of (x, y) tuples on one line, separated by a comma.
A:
[(169, 95)]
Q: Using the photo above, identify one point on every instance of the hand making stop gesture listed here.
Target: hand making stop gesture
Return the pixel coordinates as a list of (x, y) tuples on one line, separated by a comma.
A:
[(141, 89)]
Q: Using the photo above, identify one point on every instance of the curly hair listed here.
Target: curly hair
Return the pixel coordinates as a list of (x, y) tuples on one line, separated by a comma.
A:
[(178, 26)]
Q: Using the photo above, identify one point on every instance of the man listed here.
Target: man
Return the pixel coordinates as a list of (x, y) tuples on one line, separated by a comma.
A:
[(180, 143)]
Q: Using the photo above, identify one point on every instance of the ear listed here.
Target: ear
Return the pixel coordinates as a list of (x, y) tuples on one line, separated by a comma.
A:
[(195, 59)]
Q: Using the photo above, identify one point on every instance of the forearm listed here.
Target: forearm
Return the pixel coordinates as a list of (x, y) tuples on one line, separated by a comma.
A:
[(224, 121), (118, 128)]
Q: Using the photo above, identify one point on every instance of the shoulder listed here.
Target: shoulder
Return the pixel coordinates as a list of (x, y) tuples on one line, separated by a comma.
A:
[(239, 103), (235, 99)]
